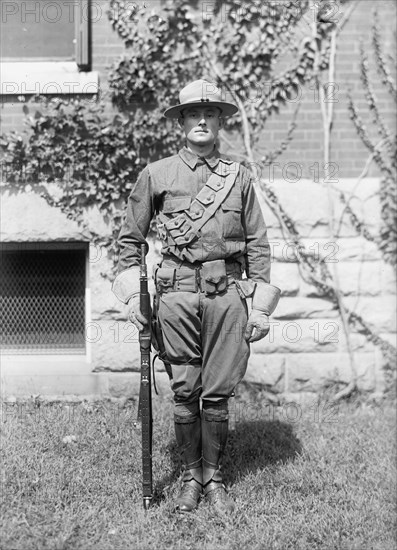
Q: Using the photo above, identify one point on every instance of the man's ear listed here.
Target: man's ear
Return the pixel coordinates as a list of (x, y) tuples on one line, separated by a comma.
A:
[(181, 121), (221, 122)]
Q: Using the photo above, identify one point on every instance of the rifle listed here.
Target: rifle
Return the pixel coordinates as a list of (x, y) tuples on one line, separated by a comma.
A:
[(145, 394)]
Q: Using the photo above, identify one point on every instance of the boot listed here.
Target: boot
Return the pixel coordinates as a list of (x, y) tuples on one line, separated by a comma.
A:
[(214, 433), (188, 437)]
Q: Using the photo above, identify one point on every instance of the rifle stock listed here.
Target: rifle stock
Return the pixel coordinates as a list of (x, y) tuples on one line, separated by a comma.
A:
[(145, 394)]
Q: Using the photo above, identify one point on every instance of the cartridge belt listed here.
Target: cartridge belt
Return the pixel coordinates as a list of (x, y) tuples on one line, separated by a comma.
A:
[(211, 277)]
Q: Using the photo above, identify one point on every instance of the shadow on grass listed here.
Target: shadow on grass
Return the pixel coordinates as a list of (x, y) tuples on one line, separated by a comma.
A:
[(162, 487), (257, 444), (251, 446)]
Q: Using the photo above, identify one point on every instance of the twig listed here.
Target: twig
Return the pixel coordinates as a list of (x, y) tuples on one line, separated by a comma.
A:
[(327, 116), (346, 16), (243, 113)]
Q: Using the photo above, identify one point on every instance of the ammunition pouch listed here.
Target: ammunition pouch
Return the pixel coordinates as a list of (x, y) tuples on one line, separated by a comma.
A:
[(213, 277), (164, 278), (180, 229)]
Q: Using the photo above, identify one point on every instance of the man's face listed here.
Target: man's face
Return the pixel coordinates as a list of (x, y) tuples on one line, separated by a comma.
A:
[(201, 124)]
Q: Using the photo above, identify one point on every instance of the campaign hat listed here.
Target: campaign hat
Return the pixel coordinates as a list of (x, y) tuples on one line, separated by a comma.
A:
[(199, 93)]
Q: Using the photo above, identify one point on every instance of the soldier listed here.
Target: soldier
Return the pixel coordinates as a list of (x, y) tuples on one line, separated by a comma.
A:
[(212, 231)]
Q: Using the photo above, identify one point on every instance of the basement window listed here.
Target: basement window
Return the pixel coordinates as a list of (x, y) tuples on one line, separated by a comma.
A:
[(43, 298)]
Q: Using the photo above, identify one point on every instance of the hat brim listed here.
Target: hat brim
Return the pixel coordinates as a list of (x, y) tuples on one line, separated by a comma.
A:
[(227, 109)]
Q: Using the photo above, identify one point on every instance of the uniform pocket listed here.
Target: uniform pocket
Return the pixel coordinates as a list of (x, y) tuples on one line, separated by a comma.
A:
[(232, 226), (176, 204)]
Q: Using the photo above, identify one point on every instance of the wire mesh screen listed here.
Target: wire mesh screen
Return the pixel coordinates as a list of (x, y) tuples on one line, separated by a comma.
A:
[(42, 300)]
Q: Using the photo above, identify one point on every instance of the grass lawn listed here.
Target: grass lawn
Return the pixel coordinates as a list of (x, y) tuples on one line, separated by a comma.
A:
[(302, 478)]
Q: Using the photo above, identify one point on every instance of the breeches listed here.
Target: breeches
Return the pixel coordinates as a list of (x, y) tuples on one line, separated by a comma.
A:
[(204, 340)]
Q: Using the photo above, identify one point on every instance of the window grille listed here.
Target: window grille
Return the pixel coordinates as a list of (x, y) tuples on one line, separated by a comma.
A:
[(42, 300)]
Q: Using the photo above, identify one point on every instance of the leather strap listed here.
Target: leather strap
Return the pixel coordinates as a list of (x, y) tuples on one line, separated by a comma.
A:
[(185, 227), (212, 195)]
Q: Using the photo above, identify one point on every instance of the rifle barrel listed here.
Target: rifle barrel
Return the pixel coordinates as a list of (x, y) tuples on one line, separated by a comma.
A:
[(145, 396)]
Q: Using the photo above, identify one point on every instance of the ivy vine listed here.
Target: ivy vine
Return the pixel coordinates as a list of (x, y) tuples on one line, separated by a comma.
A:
[(383, 150)]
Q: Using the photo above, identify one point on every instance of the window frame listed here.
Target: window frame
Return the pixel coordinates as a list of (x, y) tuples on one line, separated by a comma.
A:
[(26, 78)]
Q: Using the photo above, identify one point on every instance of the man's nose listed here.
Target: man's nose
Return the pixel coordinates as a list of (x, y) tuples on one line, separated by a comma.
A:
[(202, 120)]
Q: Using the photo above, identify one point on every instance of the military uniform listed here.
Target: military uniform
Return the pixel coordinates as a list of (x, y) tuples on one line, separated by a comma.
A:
[(212, 232)]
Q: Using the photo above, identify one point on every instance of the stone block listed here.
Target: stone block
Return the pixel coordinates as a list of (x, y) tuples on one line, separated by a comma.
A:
[(301, 308), (307, 203), (123, 385), (52, 378), (331, 250), (300, 336), (39, 222), (267, 371), (388, 279), (356, 249), (104, 304), (307, 290), (298, 199), (282, 250), (380, 312), (358, 342), (286, 277), (311, 372), (127, 385), (367, 211), (114, 345), (390, 337), (364, 201), (359, 278)]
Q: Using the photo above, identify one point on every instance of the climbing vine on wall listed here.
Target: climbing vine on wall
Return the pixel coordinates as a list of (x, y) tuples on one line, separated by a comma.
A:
[(94, 156), (382, 148)]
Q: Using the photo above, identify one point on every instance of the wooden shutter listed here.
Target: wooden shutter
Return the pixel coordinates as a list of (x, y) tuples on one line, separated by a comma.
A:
[(83, 35)]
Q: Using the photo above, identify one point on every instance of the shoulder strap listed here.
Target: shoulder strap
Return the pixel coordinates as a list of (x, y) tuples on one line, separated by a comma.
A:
[(212, 196), (184, 228)]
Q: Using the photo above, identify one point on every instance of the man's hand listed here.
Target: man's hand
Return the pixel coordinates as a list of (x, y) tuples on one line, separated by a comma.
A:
[(134, 312), (258, 326)]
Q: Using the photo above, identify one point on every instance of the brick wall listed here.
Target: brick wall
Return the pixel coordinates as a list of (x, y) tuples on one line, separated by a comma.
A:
[(347, 151), (306, 150), (106, 48)]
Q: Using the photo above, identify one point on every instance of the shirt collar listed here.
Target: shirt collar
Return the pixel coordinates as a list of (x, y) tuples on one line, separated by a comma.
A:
[(191, 159)]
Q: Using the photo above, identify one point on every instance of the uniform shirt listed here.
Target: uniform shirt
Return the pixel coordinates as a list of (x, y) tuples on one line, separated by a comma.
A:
[(236, 230)]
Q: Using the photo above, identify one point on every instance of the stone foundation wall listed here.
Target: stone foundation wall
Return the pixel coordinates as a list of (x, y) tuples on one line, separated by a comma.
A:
[(306, 349)]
